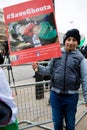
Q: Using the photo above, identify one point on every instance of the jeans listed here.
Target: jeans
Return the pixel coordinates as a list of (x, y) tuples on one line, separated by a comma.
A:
[(64, 106)]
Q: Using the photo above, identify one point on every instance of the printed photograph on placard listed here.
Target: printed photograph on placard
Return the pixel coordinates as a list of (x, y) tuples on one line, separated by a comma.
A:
[(32, 32)]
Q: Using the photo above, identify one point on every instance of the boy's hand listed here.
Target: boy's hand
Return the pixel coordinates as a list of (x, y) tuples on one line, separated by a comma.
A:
[(35, 66)]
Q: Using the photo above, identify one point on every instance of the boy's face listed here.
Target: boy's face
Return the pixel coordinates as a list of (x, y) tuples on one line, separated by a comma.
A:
[(71, 44)]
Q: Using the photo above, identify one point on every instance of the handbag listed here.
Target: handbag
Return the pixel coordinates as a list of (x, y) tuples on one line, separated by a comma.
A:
[(5, 113)]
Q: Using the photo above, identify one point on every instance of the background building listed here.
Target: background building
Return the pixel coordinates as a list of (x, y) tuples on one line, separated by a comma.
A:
[(2, 29)]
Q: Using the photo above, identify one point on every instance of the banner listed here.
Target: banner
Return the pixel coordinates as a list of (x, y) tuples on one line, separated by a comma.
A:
[(82, 42), (31, 31)]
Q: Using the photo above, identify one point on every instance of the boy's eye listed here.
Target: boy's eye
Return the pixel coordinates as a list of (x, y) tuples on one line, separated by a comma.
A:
[(71, 39), (68, 39), (74, 40)]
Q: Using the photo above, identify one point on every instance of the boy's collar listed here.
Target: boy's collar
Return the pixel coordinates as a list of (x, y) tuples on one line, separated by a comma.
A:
[(63, 50)]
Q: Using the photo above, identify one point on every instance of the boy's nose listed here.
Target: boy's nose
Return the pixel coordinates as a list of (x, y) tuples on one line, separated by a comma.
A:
[(71, 42)]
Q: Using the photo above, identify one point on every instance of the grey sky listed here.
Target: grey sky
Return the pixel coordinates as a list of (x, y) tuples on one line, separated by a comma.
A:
[(71, 10)]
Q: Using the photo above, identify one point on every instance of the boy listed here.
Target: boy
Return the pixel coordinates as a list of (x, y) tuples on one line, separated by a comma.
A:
[(66, 73)]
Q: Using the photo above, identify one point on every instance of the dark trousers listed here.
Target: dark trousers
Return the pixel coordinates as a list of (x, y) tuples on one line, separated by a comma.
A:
[(63, 107), (39, 88)]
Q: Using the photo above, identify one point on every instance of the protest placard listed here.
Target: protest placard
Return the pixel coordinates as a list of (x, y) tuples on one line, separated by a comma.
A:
[(31, 31)]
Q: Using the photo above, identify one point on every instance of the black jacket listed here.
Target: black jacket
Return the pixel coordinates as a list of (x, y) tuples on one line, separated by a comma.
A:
[(1, 59)]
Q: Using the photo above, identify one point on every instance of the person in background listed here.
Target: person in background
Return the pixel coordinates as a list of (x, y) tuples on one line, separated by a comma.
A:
[(83, 50), (1, 59), (66, 73), (8, 122), (46, 78)]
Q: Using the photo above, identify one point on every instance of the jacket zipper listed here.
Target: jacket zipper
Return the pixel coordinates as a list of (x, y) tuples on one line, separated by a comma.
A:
[(65, 73)]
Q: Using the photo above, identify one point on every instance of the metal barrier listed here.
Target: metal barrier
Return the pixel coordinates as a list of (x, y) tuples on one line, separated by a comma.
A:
[(33, 112), (36, 112)]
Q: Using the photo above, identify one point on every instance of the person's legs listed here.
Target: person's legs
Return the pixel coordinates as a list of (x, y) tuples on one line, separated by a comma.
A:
[(57, 114), (39, 88), (70, 110)]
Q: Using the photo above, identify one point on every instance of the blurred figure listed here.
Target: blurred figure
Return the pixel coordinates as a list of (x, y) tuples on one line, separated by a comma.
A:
[(1, 58), (46, 77), (39, 88), (83, 50), (8, 108)]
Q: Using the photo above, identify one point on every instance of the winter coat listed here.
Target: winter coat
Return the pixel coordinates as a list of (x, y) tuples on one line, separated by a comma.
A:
[(67, 71)]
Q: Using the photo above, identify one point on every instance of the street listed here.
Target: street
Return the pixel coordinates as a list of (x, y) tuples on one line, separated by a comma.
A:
[(19, 73)]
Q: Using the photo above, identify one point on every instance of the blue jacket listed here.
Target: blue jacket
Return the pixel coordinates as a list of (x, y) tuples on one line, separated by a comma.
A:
[(67, 72)]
